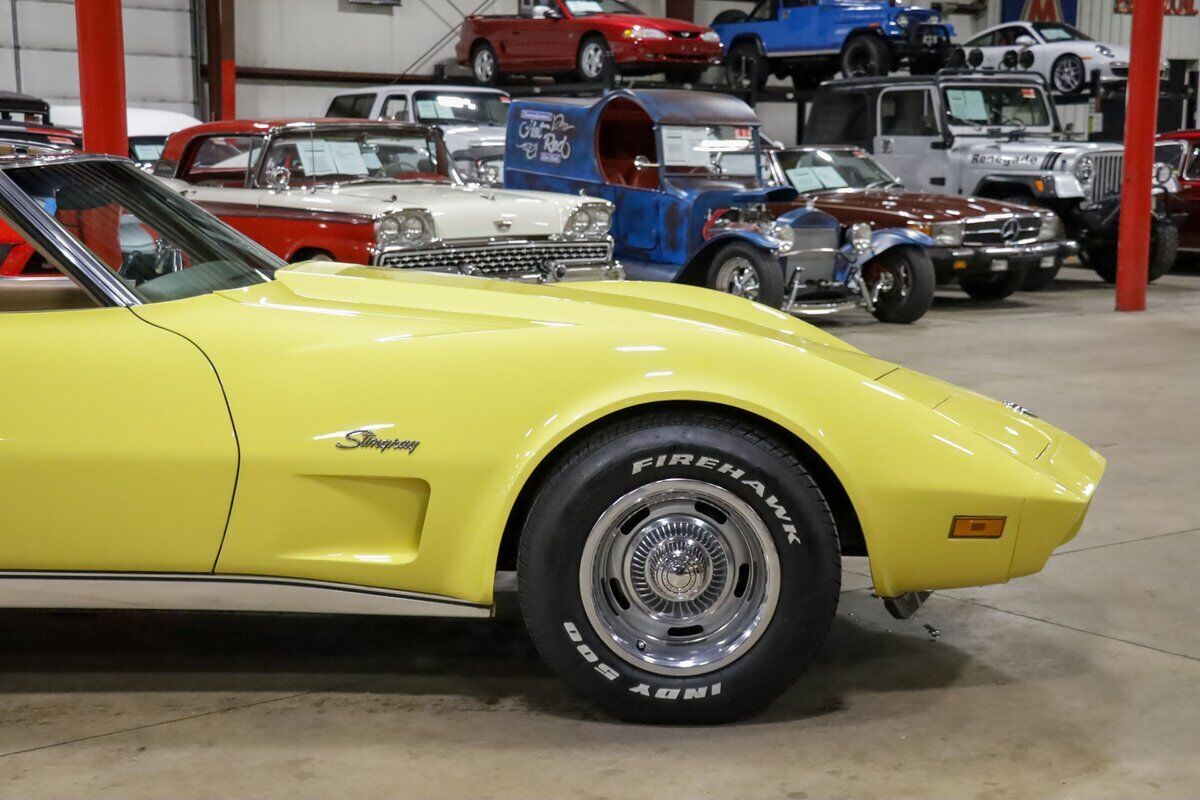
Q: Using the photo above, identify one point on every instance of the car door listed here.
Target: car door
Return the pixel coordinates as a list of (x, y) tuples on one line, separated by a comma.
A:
[(801, 25), (117, 452), (907, 132)]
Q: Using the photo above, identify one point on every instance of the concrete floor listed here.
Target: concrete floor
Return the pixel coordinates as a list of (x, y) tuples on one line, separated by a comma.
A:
[(1080, 682)]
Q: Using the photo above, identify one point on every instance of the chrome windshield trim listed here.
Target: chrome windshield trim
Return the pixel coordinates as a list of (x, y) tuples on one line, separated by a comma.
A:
[(57, 244)]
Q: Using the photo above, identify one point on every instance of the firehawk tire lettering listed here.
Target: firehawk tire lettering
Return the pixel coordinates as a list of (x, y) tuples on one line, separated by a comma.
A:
[(707, 462)]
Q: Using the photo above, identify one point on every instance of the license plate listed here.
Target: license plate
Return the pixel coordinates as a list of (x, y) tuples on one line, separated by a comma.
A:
[(999, 265), (931, 40), (1047, 262)]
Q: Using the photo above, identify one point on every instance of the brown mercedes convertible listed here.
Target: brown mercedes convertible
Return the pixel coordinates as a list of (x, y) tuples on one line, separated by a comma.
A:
[(985, 246)]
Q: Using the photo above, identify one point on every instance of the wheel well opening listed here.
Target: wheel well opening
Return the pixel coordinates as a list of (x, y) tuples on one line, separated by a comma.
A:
[(480, 42), (308, 253), (849, 529)]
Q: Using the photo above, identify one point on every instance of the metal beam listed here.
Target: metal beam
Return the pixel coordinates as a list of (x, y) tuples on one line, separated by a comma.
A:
[(1141, 123), (102, 76)]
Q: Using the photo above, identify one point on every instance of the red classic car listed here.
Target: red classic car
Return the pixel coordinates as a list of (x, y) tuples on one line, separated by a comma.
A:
[(1181, 150), (589, 38), (382, 193), (17, 257)]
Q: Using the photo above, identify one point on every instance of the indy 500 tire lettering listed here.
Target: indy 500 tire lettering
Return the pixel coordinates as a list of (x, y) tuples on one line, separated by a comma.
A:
[(679, 567)]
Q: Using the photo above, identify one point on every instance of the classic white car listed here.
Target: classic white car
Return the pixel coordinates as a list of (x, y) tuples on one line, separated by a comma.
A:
[(472, 119), (1062, 54), (383, 193), (148, 129)]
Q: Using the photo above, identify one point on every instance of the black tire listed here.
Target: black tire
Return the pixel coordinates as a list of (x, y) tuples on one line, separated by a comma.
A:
[(636, 456), (994, 287), (729, 16), (587, 67), (866, 55), (1038, 278), (682, 76), (1164, 246), (766, 273), (1070, 65), (746, 55), (482, 55), (913, 282)]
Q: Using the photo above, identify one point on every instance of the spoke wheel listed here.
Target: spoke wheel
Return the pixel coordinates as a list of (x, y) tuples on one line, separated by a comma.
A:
[(737, 276), (593, 60), (484, 65), (900, 283), (680, 576), (1067, 75)]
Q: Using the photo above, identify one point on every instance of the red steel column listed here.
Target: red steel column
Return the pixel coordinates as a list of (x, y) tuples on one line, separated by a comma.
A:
[(102, 76), (1141, 123), (222, 68)]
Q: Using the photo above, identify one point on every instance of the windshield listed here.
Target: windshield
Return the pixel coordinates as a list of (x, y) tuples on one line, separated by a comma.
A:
[(328, 157), (717, 150), (462, 108), (980, 107), (159, 245), (1059, 32), (146, 149), (818, 170), (585, 8), (1170, 153)]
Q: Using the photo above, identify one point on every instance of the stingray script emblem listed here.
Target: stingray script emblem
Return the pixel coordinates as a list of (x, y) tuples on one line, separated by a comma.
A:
[(357, 440)]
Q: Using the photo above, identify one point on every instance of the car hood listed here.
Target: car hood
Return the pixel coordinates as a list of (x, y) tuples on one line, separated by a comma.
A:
[(441, 304), (1028, 153), (900, 206), (459, 212), (630, 20)]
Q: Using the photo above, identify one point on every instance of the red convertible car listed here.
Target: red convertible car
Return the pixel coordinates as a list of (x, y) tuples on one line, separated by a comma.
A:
[(1181, 150), (587, 38)]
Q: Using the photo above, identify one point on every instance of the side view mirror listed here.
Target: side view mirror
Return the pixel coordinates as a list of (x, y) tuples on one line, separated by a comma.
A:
[(1025, 40), (641, 162), (278, 177), (544, 12)]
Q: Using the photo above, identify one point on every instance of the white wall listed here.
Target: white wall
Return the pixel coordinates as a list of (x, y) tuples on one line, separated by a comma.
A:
[(158, 51)]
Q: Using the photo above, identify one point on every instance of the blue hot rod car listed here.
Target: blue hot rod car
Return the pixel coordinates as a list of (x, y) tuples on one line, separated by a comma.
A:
[(810, 40), (684, 170)]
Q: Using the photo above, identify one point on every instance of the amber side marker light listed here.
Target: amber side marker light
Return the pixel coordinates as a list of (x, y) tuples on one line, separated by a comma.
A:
[(977, 527)]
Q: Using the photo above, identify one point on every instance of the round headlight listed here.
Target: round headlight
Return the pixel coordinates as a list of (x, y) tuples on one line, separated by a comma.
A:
[(601, 221), (578, 223), (412, 228), (784, 233), (860, 236), (902, 20), (1163, 174), (389, 230), (1085, 167)]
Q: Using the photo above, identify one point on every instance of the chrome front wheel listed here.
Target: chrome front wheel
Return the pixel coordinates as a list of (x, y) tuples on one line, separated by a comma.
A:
[(484, 65), (737, 276), (680, 577)]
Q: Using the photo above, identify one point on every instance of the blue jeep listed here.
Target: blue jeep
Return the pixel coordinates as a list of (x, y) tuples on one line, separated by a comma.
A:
[(685, 172), (811, 40)]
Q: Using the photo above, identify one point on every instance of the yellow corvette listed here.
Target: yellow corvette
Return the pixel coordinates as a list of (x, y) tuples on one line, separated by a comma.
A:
[(673, 473)]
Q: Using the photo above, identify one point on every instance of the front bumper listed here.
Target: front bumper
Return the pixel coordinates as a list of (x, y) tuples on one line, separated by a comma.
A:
[(665, 54), (1036, 477), (926, 41), (954, 262)]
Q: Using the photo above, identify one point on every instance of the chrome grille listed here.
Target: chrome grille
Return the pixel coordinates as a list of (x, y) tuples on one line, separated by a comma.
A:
[(815, 251), (499, 260), (1106, 180), (989, 231)]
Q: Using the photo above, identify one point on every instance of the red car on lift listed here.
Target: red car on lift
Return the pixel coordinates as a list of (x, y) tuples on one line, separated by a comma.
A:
[(1181, 150), (587, 38)]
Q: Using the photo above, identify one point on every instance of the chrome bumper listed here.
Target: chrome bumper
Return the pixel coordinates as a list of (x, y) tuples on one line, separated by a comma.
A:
[(1017, 251)]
